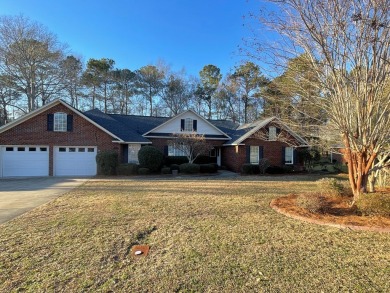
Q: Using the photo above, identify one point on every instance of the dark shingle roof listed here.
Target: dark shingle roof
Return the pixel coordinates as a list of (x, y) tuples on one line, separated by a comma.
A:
[(125, 131)]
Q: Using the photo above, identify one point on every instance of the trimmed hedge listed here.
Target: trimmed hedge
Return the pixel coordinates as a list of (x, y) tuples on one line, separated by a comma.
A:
[(189, 168), (127, 169), (208, 168), (275, 170), (176, 160), (107, 162), (175, 167), (143, 171), (151, 158), (249, 169), (166, 170)]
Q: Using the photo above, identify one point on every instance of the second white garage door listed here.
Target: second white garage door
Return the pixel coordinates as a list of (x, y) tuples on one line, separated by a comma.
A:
[(75, 161)]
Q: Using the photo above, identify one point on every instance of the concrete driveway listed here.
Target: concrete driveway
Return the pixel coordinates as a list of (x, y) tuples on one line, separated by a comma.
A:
[(19, 195)]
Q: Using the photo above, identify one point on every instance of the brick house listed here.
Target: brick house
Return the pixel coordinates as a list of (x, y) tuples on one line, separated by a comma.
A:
[(59, 140)]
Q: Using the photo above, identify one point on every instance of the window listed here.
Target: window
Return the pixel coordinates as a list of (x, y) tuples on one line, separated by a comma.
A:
[(72, 150), (272, 133), (174, 151), (81, 150), (32, 149), (9, 149), (254, 154), (60, 121), (188, 124), (133, 153), (20, 149), (213, 153), (43, 149), (62, 150), (91, 150), (289, 156)]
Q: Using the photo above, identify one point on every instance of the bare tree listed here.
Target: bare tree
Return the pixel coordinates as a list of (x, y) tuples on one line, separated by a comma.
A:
[(30, 56), (192, 145), (347, 43)]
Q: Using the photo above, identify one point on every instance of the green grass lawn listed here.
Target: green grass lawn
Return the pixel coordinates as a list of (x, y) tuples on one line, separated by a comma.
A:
[(205, 234)]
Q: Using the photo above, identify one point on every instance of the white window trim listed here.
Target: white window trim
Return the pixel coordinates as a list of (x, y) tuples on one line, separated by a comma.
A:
[(251, 157), (188, 124), (60, 122), (289, 151)]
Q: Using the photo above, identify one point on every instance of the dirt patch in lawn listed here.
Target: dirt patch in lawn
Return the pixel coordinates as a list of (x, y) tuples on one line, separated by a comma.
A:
[(333, 211)]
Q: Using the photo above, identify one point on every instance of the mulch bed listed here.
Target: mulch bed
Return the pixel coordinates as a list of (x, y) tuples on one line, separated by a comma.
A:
[(335, 212)]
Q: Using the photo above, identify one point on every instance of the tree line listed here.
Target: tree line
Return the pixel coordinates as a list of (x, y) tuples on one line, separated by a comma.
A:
[(36, 68)]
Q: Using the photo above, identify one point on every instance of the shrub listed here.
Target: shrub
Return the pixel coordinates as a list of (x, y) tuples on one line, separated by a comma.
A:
[(107, 162), (189, 168), (204, 160), (151, 158), (166, 170), (127, 169), (377, 204), (175, 167), (249, 169), (310, 202), (143, 171), (263, 165), (176, 160), (275, 170), (331, 186), (208, 168)]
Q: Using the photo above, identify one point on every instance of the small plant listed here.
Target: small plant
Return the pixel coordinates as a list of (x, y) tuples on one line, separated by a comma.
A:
[(250, 169), (371, 204), (310, 202), (175, 167), (263, 165), (166, 170), (107, 162), (274, 170), (151, 158), (189, 168), (127, 169), (331, 187), (143, 171), (208, 168)]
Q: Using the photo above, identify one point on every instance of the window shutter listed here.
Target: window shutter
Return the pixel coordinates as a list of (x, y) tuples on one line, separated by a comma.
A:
[(283, 155), (295, 156), (69, 123), (125, 149), (50, 122), (248, 154), (261, 152), (182, 125), (165, 150), (195, 125)]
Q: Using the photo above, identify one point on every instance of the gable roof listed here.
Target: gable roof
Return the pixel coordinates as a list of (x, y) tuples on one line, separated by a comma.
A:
[(154, 131), (48, 106), (246, 130)]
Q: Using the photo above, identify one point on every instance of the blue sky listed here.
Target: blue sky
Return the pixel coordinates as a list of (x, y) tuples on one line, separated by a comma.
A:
[(135, 33)]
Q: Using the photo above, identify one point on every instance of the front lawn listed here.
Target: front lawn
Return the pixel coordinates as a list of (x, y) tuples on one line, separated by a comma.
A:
[(205, 235)]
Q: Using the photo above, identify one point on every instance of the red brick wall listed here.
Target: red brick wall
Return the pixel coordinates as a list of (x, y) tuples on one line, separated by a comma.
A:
[(234, 157), (34, 132)]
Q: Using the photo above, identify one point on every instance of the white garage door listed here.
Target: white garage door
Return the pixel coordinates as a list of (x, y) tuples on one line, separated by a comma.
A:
[(75, 161), (25, 161)]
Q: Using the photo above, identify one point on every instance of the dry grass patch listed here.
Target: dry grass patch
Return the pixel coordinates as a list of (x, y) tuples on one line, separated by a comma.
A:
[(204, 236)]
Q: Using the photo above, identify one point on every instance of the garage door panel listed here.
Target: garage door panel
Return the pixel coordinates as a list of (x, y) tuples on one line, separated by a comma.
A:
[(25, 161), (75, 161)]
